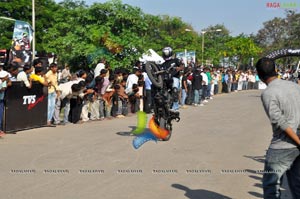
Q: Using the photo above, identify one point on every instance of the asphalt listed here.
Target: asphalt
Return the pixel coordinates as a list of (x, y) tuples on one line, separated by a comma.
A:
[(216, 151)]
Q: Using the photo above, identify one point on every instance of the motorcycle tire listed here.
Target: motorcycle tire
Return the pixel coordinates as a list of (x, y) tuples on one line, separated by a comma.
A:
[(156, 79), (163, 124)]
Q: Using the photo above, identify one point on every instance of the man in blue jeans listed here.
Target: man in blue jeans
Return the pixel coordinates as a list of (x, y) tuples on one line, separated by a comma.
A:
[(197, 82), (281, 101)]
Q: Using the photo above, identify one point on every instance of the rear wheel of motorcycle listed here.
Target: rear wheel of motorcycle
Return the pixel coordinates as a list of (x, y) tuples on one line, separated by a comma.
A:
[(151, 70), (163, 124)]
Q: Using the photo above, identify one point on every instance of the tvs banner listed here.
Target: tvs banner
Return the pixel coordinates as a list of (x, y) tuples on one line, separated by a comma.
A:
[(25, 108), (188, 57), (21, 43)]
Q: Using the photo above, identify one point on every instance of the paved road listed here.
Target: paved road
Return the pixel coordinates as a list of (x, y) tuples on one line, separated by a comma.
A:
[(216, 151)]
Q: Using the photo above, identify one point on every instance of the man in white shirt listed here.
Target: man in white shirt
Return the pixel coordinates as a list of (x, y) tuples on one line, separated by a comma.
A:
[(67, 91), (251, 80), (132, 90), (132, 79), (65, 74), (23, 76), (245, 81), (99, 67)]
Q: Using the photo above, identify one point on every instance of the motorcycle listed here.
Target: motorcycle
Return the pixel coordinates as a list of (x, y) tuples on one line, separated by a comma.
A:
[(163, 100)]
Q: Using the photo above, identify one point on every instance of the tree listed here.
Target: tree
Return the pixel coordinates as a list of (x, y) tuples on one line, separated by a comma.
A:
[(241, 49), (22, 10), (66, 38), (273, 35), (280, 33), (111, 30), (6, 33), (292, 23), (14, 9), (80, 34), (45, 13), (214, 39)]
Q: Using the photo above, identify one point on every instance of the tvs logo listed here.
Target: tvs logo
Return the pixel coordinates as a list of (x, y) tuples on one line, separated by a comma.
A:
[(31, 101)]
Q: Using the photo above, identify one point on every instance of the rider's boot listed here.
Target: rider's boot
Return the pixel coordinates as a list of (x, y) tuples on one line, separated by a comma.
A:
[(174, 115)]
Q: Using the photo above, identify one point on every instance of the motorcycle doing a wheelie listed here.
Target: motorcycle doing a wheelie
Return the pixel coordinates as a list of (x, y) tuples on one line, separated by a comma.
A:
[(163, 98)]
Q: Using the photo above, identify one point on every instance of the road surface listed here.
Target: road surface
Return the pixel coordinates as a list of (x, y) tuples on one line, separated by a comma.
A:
[(216, 151)]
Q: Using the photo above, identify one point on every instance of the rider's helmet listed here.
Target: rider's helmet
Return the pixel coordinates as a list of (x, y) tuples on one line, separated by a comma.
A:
[(167, 53)]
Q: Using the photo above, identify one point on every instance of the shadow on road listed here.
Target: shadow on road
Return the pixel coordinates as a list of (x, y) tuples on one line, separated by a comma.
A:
[(129, 133), (260, 159), (257, 176), (125, 133), (199, 193), (258, 96), (257, 195)]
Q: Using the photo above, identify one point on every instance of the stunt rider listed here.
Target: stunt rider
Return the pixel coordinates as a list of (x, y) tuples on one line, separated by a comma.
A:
[(173, 82)]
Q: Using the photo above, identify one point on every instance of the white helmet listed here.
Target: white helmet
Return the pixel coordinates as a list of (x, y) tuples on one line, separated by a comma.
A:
[(167, 52)]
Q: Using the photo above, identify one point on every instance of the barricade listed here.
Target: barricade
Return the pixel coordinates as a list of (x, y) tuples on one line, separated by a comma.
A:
[(25, 108)]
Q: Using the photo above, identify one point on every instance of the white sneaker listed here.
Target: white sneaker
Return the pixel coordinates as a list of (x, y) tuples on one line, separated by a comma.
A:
[(201, 104), (205, 101), (211, 98)]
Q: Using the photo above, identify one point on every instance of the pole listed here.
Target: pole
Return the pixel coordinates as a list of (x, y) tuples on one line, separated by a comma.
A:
[(185, 59), (202, 45), (185, 51), (33, 27), (203, 32)]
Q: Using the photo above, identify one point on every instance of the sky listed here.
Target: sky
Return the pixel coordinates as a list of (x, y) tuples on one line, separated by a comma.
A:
[(238, 16)]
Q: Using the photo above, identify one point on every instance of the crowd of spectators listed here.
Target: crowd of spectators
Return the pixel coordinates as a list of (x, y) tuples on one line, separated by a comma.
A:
[(103, 93)]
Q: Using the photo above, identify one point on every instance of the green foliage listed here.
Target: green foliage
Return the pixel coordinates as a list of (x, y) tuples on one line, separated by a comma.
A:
[(214, 38), (81, 35), (280, 33), (6, 33), (45, 13), (15, 9), (241, 49), (115, 27)]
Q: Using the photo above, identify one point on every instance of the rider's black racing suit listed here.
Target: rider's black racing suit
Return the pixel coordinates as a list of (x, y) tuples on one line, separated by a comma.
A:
[(171, 84), (172, 79)]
